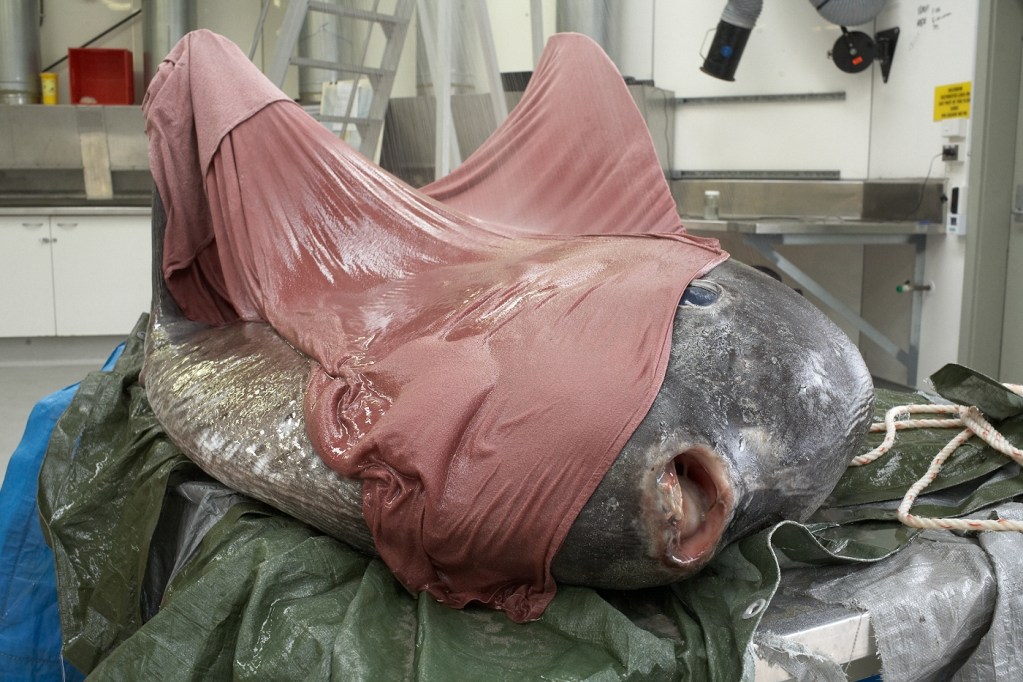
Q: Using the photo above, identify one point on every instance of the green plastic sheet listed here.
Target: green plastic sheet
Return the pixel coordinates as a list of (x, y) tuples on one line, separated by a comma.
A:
[(264, 596)]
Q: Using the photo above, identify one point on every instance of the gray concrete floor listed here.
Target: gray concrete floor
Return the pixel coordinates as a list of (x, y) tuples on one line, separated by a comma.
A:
[(31, 369)]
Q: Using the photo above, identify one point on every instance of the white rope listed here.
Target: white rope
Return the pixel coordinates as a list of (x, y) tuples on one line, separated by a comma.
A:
[(973, 420)]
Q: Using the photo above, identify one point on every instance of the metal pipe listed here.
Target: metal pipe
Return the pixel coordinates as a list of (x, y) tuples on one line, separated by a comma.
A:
[(536, 25), (498, 102), (20, 58), (326, 37), (598, 19), (164, 23), (462, 69)]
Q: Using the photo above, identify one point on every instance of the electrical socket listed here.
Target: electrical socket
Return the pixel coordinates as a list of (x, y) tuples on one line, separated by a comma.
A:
[(950, 152)]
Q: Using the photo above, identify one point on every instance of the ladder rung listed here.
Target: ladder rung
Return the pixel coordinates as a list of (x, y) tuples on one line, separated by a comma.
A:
[(338, 66), (353, 120), (351, 13)]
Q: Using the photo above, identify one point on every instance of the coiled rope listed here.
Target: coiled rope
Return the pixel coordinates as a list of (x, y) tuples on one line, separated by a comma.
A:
[(975, 425)]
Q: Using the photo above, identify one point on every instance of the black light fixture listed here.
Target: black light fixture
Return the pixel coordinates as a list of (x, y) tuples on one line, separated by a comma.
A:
[(854, 51), (730, 39)]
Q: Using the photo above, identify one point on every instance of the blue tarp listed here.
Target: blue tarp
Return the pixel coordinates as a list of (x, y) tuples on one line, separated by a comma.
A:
[(30, 634)]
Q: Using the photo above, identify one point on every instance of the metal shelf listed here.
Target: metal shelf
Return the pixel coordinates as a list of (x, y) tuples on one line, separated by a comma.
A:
[(766, 234)]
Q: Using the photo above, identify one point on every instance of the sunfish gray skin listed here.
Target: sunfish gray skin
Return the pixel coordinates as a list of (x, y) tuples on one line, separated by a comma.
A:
[(763, 404)]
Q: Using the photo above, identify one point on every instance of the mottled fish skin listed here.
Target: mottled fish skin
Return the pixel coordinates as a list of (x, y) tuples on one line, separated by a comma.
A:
[(232, 398), (763, 404)]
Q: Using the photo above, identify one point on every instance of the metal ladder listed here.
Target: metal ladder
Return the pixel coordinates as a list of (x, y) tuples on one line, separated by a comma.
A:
[(394, 27)]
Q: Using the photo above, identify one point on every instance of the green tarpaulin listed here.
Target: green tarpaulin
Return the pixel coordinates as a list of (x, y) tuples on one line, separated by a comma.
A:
[(261, 596)]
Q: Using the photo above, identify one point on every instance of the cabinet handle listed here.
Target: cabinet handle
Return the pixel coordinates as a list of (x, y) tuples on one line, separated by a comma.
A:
[(67, 224), (31, 224), (48, 240)]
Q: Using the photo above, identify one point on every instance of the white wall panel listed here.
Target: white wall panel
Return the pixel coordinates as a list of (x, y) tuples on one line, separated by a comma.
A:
[(787, 53), (937, 46), (828, 136), (513, 37), (636, 54)]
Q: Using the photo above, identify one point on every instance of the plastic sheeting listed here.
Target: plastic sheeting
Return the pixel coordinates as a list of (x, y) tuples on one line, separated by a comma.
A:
[(507, 326), (264, 596), (946, 607), (29, 624), (30, 633)]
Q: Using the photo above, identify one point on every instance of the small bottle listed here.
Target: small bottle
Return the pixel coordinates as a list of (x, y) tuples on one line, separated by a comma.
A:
[(49, 87), (711, 199)]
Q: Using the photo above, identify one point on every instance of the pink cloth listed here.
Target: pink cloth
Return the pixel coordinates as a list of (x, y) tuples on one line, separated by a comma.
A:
[(475, 369)]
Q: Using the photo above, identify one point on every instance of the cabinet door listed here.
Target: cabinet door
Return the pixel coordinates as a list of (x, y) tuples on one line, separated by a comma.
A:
[(26, 296), (101, 273)]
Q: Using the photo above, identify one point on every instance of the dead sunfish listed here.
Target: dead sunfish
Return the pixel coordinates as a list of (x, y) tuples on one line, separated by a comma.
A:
[(526, 373), (763, 404)]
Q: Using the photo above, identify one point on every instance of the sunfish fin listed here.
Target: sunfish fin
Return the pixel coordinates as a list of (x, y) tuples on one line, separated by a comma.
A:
[(574, 157)]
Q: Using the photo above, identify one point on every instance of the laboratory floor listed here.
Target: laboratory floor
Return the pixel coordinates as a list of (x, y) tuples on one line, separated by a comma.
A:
[(31, 369)]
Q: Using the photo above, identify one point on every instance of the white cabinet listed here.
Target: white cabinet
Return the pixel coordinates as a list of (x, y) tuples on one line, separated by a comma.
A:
[(26, 297), (73, 274)]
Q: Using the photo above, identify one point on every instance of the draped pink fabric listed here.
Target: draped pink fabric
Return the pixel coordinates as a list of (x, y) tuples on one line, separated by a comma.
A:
[(475, 367)]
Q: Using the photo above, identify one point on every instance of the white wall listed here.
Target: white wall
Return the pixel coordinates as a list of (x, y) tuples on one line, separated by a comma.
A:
[(786, 54), (937, 46), (881, 130)]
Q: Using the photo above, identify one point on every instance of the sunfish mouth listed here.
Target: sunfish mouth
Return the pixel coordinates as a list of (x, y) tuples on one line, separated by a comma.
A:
[(692, 501)]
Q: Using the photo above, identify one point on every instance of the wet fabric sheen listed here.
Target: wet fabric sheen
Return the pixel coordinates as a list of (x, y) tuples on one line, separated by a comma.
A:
[(480, 359)]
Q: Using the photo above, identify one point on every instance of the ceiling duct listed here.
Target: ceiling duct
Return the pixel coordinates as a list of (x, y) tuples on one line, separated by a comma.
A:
[(20, 60), (164, 23), (848, 12)]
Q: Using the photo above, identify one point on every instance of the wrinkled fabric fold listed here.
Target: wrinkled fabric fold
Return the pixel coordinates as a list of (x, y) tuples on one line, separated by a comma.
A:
[(478, 371)]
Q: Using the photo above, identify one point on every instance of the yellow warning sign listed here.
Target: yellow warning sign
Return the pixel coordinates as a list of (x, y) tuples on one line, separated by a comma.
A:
[(952, 101)]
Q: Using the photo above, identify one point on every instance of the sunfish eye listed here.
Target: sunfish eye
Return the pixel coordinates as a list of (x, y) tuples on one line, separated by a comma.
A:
[(700, 293)]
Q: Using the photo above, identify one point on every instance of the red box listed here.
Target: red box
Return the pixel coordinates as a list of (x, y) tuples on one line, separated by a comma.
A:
[(101, 76)]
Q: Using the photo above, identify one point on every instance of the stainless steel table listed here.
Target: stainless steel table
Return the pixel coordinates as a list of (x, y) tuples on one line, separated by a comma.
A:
[(834, 632)]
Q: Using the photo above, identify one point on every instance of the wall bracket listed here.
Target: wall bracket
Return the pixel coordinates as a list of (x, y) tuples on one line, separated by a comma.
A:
[(885, 42)]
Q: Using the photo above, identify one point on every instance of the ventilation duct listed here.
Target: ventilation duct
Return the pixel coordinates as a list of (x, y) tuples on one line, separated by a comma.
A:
[(733, 31), (848, 12), (20, 60), (164, 23)]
